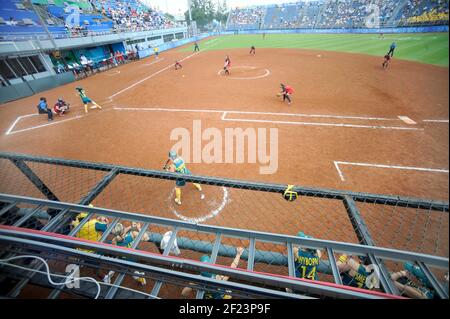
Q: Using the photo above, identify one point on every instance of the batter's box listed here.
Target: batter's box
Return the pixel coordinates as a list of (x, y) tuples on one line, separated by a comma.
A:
[(34, 121)]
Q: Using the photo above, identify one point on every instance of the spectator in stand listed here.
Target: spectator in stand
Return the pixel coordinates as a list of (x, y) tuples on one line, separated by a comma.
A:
[(125, 237), (119, 57), (60, 67), (93, 229), (219, 294), (11, 22), (355, 273), (87, 64), (306, 260)]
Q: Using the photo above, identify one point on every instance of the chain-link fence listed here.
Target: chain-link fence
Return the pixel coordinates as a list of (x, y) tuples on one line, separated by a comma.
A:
[(404, 224)]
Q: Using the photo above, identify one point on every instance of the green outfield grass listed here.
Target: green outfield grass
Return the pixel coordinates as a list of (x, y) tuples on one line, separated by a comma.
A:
[(431, 48)]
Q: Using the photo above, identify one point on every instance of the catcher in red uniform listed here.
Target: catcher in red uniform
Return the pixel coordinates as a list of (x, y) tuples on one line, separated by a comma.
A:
[(227, 65), (61, 107), (286, 92)]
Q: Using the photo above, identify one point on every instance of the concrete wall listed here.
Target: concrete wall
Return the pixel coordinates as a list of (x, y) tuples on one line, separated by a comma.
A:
[(28, 88)]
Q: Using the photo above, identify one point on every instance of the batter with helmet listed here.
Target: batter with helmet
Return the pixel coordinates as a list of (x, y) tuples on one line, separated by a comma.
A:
[(176, 164), (85, 99)]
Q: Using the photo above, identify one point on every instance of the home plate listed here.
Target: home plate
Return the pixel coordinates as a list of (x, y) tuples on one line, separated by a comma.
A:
[(319, 56)]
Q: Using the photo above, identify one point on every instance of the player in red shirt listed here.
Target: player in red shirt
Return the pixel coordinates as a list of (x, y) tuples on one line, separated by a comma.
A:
[(178, 65), (227, 65), (61, 107), (286, 92), (387, 59)]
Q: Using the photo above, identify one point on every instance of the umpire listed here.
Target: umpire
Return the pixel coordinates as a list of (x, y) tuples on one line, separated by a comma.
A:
[(43, 108)]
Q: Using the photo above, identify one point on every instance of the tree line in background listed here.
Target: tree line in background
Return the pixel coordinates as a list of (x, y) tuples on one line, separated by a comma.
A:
[(205, 12)]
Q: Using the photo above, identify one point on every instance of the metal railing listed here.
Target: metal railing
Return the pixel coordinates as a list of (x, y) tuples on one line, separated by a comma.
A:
[(61, 213)]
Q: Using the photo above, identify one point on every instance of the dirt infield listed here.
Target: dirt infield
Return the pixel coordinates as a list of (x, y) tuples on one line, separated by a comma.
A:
[(342, 130)]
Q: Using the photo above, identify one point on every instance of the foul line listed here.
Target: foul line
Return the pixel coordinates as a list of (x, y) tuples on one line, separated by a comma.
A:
[(436, 121), (225, 113), (323, 124), (150, 76), (341, 175), (256, 113), (112, 73), (154, 62), (154, 74)]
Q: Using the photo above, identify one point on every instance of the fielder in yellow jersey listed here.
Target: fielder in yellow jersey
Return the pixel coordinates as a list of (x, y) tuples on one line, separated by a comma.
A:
[(176, 164)]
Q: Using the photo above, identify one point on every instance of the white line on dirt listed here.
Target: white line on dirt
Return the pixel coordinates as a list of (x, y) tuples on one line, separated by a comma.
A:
[(43, 125), (256, 113), (204, 218), (154, 74), (266, 73), (326, 124), (112, 73), (17, 120), (407, 120), (422, 169), (154, 62), (436, 121), (150, 76), (226, 112)]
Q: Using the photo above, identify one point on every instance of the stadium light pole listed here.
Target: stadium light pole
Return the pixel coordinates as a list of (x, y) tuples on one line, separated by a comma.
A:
[(190, 13)]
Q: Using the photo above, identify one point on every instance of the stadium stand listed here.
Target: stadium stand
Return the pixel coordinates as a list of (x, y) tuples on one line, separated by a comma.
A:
[(248, 18), (131, 14), (339, 14), (96, 17)]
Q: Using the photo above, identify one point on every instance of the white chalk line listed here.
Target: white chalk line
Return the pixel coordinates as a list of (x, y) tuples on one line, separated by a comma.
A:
[(148, 77), (266, 73), (107, 101), (255, 113), (154, 62), (153, 74), (407, 120), (44, 125), (436, 121), (17, 120), (325, 124), (112, 73), (204, 218), (226, 112), (422, 169), (238, 67)]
